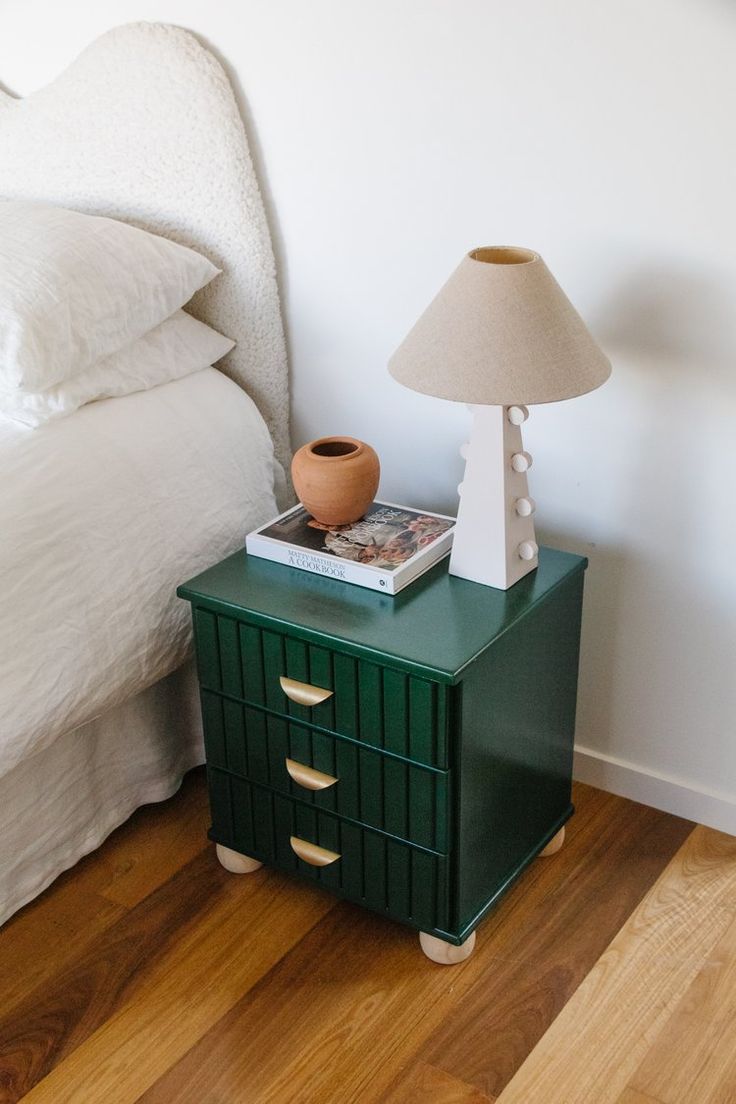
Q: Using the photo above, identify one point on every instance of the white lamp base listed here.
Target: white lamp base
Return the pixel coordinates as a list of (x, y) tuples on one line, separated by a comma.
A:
[(494, 538)]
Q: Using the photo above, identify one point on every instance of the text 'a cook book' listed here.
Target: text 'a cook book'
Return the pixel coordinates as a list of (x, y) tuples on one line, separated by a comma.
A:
[(386, 549)]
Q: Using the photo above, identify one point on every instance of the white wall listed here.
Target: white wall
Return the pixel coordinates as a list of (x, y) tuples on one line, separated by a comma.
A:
[(392, 135)]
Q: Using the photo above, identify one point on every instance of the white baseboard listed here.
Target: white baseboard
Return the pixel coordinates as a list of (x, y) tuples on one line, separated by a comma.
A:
[(673, 795)]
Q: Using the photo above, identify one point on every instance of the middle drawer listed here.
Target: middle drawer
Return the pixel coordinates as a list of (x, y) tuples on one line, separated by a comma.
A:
[(372, 787)]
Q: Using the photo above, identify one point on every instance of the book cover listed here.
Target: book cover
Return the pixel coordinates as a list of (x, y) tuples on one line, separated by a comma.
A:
[(386, 549)]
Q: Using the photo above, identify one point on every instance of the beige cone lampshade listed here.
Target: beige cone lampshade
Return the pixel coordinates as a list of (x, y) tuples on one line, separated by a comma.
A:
[(500, 332)]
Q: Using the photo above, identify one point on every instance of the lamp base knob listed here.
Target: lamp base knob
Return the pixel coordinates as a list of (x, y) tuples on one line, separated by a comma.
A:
[(517, 415), (525, 507), (521, 461), (528, 550)]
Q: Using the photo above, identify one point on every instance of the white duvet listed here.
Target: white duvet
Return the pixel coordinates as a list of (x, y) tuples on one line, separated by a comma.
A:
[(102, 514)]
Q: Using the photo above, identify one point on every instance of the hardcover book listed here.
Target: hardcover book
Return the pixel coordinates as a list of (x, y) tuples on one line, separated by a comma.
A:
[(386, 549)]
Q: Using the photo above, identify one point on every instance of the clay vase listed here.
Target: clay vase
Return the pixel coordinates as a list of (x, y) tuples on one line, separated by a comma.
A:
[(336, 478)]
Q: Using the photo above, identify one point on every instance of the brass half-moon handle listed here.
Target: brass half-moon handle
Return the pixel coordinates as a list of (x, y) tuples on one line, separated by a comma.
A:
[(308, 777), (303, 693), (311, 853)]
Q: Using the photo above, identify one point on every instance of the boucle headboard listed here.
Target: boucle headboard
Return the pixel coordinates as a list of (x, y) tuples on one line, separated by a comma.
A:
[(144, 127)]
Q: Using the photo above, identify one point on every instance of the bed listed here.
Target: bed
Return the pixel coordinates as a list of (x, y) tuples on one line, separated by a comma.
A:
[(104, 512)]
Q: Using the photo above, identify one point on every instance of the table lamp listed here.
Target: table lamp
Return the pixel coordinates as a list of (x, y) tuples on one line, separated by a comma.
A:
[(499, 335)]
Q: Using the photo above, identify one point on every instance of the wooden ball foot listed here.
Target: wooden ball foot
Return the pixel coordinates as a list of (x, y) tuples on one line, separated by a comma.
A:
[(447, 954), (235, 862), (554, 844)]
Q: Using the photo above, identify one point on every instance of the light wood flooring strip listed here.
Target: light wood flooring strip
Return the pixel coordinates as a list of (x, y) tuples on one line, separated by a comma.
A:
[(694, 1055), (631, 1004)]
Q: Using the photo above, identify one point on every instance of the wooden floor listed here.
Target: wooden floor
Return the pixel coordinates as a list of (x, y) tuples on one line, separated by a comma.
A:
[(150, 974), (654, 1022)]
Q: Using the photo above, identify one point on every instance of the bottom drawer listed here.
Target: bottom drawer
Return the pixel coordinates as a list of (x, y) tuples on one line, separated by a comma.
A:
[(374, 870)]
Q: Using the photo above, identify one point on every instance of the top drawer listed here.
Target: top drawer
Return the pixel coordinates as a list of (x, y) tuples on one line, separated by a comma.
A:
[(377, 705)]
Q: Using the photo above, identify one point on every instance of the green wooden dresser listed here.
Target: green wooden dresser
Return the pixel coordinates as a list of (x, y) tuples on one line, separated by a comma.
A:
[(412, 754)]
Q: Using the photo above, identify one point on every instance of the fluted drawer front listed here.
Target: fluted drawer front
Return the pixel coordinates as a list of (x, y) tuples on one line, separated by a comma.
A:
[(380, 790), (377, 705), (381, 873)]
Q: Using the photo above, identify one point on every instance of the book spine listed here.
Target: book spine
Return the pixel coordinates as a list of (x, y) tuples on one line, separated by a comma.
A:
[(328, 567)]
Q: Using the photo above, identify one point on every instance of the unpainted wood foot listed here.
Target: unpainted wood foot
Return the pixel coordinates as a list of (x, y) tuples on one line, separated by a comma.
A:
[(447, 954), (554, 844), (235, 862)]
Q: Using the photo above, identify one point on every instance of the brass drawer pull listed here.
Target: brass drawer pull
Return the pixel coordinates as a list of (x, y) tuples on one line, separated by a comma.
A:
[(311, 853), (308, 777), (303, 693)]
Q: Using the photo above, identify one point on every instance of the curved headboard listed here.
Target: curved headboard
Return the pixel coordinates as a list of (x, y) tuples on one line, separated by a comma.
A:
[(144, 127)]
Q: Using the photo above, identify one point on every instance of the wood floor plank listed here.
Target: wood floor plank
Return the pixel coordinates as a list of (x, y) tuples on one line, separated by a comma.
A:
[(319, 1026), (597, 1043), (218, 989), (57, 1015), (693, 1057), (157, 841), (422, 1082), (230, 937), (631, 1096), (354, 1005), (543, 943), (36, 943), (84, 902)]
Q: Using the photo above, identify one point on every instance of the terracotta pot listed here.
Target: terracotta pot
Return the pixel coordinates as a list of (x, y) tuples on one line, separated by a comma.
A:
[(336, 478)]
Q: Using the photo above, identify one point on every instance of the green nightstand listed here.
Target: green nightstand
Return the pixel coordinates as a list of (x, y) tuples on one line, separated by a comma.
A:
[(412, 754)]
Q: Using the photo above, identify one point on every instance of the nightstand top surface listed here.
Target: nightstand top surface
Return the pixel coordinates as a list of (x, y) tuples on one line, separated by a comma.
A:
[(436, 626)]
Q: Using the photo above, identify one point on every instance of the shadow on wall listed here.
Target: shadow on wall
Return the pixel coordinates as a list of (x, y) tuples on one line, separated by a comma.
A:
[(656, 669), (659, 630), (674, 314), (674, 338), (603, 634)]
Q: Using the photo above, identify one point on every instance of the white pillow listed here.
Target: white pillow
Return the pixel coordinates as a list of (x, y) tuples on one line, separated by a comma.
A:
[(75, 288), (179, 346)]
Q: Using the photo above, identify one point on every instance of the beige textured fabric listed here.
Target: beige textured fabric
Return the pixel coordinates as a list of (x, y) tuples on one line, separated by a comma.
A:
[(500, 331), (143, 127)]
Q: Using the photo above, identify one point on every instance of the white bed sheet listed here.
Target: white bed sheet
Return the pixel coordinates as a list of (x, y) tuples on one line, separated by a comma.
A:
[(102, 514)]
